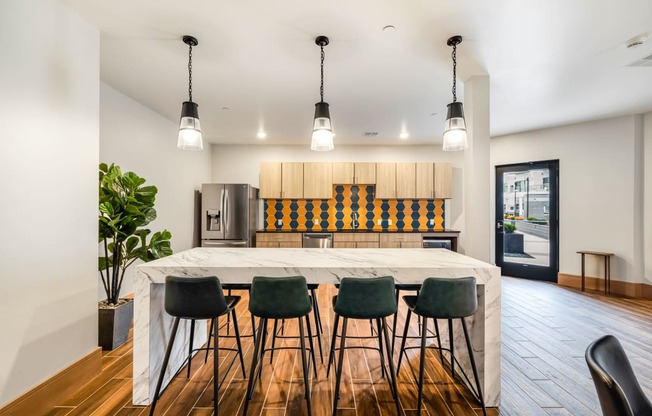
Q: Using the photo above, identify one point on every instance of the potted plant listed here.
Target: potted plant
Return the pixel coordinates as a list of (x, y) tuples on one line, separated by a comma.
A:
[(513, 242), (125, 208)]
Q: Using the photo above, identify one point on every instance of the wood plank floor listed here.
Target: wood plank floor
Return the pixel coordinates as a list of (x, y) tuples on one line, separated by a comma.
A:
[(545, 332)]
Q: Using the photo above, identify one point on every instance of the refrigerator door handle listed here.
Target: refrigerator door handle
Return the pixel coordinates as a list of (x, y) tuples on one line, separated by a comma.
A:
[(226, 212), (222, 213)]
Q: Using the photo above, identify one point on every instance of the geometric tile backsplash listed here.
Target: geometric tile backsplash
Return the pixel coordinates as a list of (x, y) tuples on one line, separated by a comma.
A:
[(335, 214)]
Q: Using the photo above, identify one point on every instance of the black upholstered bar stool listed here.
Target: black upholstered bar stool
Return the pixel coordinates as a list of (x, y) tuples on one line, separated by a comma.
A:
[(443, 298), (312, 288), (197, 298), (371, 298), (279, 298)]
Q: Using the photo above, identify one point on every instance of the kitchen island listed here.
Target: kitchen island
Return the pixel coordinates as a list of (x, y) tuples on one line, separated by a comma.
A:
[(324, 266)]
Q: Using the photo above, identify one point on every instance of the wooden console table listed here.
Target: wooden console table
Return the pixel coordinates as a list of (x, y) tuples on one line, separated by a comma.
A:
[(607, 268)]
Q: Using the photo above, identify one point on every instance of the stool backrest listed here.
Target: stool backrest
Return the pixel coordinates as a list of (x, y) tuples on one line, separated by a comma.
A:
[(366, 297), (194, 297), (617, 387), (279, 297), (447, 298)]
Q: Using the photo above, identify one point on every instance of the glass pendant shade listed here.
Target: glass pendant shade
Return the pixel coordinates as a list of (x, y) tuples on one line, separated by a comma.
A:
[(455, 128), (322, 132), (189, 128)]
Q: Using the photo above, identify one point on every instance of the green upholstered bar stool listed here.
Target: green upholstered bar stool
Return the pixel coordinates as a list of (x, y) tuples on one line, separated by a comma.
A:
[(279, 298), (443, 298), (196, 298), (368, 298)]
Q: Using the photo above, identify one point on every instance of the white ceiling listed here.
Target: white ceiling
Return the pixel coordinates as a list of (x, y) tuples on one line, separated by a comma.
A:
[(550, 62)]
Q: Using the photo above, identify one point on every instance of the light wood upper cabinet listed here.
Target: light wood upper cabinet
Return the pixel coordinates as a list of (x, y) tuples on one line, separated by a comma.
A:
[(406, 180), (292, 180), (317, 180), (354, 173), (385, 180), (343, 173), (365, 173), (425, 184), (443, 180), (270, 180)]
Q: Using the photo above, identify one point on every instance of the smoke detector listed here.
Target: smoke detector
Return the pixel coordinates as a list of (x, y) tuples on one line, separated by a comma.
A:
[(635, 41)]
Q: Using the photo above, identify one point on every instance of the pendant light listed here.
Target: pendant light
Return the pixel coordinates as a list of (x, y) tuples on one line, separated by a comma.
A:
[(189, 128), (455, 127), (322, 132)]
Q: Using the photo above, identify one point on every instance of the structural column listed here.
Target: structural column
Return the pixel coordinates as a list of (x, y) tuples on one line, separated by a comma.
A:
[(477, 172)]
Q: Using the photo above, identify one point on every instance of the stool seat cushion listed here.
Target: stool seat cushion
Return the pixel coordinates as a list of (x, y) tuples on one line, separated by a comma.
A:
[(366, 297), (279, 297), (447, 298), (194, 297)]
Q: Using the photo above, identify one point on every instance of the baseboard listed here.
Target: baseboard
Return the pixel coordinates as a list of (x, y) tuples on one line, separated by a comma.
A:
[(42, 398), (632, 290)]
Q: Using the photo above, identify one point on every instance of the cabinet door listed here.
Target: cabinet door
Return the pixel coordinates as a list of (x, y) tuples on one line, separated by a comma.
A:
[(411, 244), (443, 180), (292, 180), (344, 244), (267, 244), (385, 180), (365, 173), (318, 180), (406, 180), (367, 244), (343, 173), (425, 173), (270, 180), (289, 245)]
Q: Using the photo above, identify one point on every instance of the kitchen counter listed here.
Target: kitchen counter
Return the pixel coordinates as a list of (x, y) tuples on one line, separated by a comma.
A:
[(322, 266)]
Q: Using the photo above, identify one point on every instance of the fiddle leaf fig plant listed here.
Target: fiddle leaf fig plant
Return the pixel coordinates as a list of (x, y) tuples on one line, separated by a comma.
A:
[(125, 208)]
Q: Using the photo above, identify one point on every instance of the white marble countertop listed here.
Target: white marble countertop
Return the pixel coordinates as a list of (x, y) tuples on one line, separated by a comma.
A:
[(239, 265)]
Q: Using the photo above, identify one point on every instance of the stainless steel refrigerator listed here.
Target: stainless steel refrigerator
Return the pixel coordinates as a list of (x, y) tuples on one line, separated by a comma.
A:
[(229, 215)]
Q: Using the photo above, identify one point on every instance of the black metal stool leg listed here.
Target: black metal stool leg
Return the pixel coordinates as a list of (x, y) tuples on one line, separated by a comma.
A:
[(228, 318), (315, 308), (441, 353), (305, 364), (237, 340), (340, 365), (216, 366), (405, 332), (263, 322), (192, 339), (452, 345), (392, 372), (473, 366), (380, 348), (208, 343), (271, 353), (395, 320), (166, 359), (331, 353), (318, 332), (310, 342), (422, 365), (254, 360)]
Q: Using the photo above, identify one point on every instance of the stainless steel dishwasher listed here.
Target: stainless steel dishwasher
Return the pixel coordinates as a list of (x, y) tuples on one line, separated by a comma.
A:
[(317, 240)]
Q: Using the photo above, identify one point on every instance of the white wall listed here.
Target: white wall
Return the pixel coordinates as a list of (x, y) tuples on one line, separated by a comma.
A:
[(137, 139), (49, 136), (599, 191), (647, 186), (233, 163)]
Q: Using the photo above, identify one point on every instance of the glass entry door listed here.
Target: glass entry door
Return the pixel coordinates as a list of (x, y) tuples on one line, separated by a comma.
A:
[(527, 220)]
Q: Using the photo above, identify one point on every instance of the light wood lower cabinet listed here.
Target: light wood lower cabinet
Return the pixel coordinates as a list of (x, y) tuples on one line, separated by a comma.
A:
[(279, 240), (356, 240), (400, 240)]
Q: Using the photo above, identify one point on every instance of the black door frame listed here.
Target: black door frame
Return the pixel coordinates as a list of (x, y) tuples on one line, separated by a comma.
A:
[(529, 271)]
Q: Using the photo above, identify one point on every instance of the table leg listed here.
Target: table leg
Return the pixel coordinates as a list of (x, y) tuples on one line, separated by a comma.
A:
[(582, 272), (608, 274)]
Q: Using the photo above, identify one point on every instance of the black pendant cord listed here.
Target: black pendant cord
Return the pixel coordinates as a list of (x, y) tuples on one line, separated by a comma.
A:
[(321, 88), (454, 55), (190, 72)]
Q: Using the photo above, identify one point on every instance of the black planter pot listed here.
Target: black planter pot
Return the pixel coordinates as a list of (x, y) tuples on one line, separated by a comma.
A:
[(114, 325), (514, 243)]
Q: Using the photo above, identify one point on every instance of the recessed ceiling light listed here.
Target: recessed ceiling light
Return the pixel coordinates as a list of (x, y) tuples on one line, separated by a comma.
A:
[(261, 135), (225, 108), (403, 135), (636, 41)]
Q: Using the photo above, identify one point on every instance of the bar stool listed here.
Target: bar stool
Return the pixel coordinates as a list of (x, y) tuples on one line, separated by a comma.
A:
[(279, 298), (441, 298), (312, 287), (370, 298), (401, 287), (197, 298)]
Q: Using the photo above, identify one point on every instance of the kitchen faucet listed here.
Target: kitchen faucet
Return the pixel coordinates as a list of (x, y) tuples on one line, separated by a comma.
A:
[(354, 220)]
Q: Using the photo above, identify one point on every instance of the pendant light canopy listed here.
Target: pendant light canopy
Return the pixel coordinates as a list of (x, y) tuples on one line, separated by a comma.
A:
[(455, 127), (322, 132), (189, 128)]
